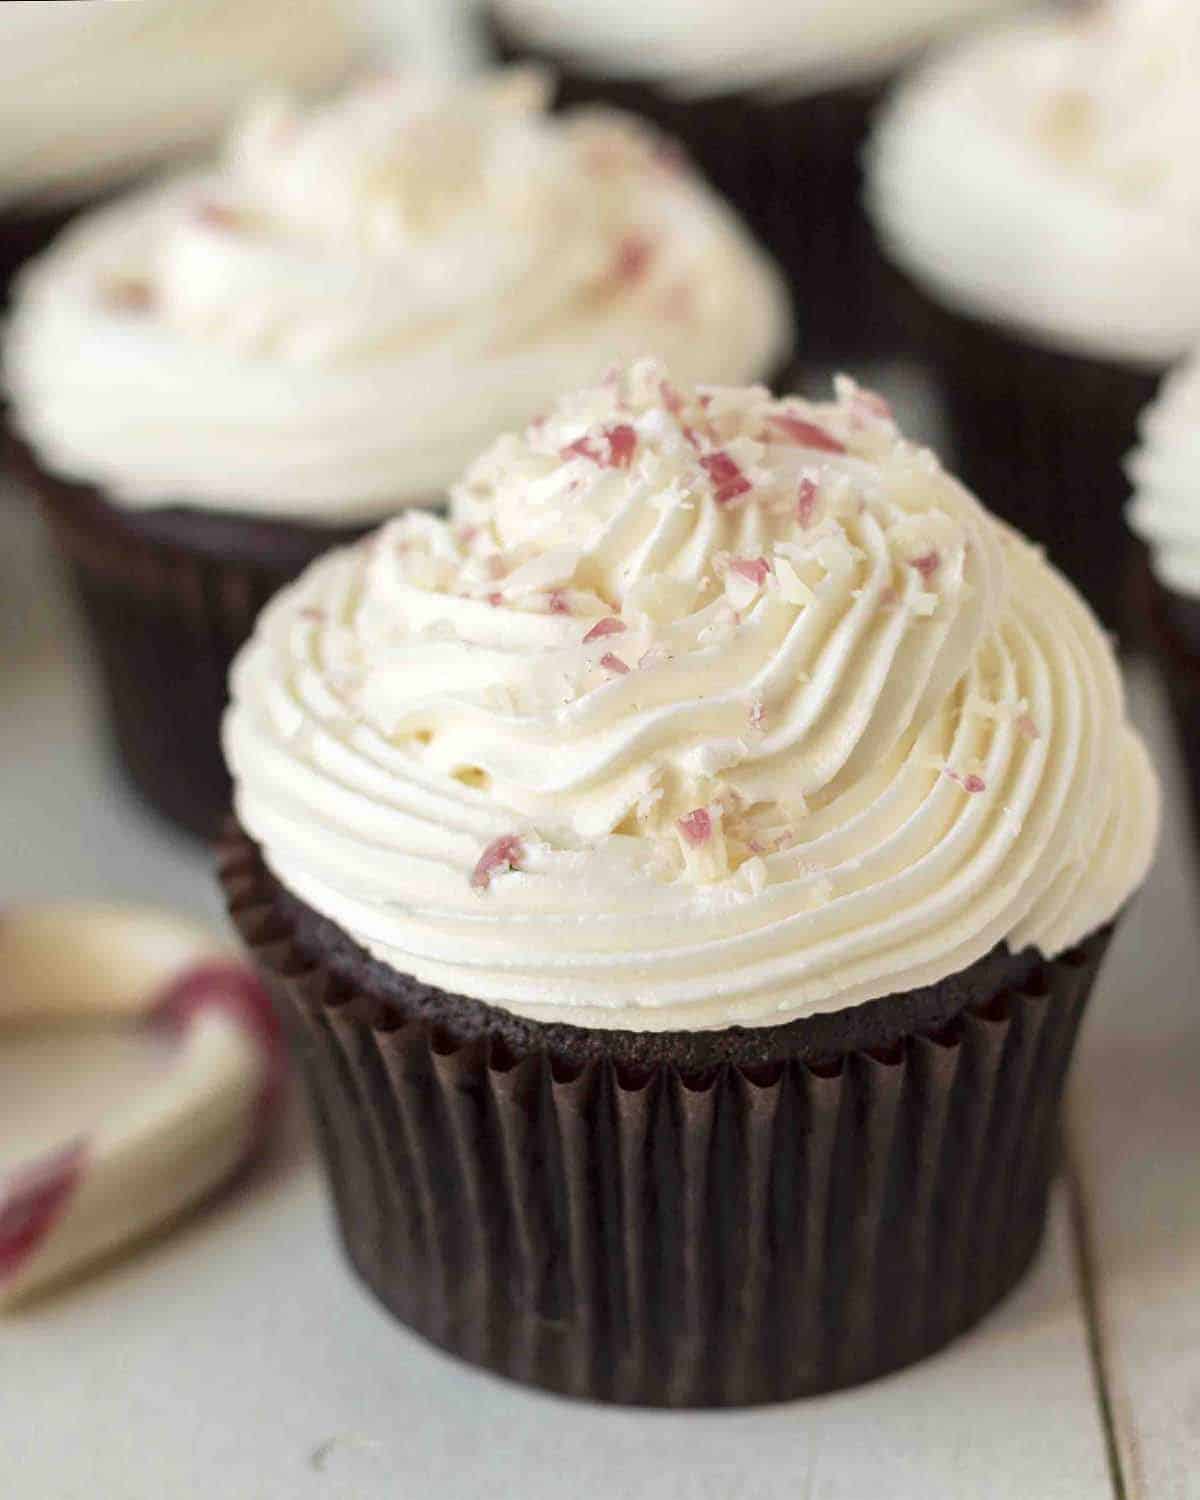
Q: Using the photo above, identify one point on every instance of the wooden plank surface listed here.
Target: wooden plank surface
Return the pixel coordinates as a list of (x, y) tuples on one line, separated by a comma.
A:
[(1135, 1146)]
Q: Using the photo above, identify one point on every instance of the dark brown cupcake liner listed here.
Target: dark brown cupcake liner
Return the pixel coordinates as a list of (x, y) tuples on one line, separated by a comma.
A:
[(169, 598), (1041, 437), (576, 1211), (792, 168)]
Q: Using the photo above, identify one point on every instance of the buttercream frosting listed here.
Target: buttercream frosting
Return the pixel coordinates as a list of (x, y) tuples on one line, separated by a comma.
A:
[(703, 708), (95, 91), (1165, 470), (729, 44), (334, 321), (1046, 176)]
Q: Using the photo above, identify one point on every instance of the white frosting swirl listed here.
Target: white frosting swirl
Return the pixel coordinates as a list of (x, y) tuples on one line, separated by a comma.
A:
[(93, 92), (336, 321), (729, 44), (704, 709), (1165, 471), (1047, 176)]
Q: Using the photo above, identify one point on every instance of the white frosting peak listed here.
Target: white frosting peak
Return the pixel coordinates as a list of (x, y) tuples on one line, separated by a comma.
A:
[(1046, 175), (94, 91), (1166, 474), (363, 293), (703, 708)]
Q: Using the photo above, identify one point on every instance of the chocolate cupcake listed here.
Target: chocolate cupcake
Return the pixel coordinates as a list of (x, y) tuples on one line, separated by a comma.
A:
[(774, 103), (685, 869), (91, 96), (1039, 194), (219, 378), (1165, 513)]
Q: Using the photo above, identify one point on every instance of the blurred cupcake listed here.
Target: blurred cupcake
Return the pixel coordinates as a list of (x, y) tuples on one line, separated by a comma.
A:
[(92, 95), (687, 867), (226, 374), (773, 101), (1165, 513), (1040, 189)]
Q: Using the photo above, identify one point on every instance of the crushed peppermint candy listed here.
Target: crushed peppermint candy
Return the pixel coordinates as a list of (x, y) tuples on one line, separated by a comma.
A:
[(633, 257), (495, 600), (500, 856), (619, 443), (609, 625), (559, 603), (728, 479), (755, 569), (807, 434), (128, 294), (696, 827), (927, 564), (969, 783), (219, 216), (806, 502), (613, 663), (1027, 727)]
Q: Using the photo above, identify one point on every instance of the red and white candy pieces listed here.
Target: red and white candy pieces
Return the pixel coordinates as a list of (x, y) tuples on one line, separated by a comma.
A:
[(177, 1140)]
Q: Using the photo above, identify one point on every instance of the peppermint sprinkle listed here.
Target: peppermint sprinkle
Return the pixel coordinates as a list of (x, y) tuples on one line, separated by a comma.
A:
[(559, 603), (610, 625), (1026, 727), (634, 255), (612, 663), (500, 856), (218, 216), (671, 398), (728, 479), (128, 294), (756, 569), (927, 565), (495, 600), (619, 445), (806, 434), (696, 827), (806, 503), (971, 783)]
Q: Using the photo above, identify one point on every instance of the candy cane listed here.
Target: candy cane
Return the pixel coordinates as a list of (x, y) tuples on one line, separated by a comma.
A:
[(181, 1137)]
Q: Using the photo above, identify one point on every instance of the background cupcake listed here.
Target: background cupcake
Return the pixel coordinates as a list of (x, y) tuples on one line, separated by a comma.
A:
[(222, 376), (773, 101), (630, 835), (92, 95), (1165, 513), (1041, 192)]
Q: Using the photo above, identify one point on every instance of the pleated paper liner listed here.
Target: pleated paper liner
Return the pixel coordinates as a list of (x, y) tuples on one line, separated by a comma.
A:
[(1041, 437), (169, 597), (632, 1231), (791, 165)]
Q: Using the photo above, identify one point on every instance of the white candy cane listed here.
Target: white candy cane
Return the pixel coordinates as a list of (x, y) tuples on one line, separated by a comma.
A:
[(178, 1139)]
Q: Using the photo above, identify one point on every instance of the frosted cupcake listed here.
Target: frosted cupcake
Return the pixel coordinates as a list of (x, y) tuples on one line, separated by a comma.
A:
[(93, 95), (220, 377), (687, 866), (1040, 189), (773, 101), (1165, 513)]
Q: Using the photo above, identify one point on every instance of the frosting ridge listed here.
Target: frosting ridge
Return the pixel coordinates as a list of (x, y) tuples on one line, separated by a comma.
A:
[(703, 708), (1165, 469)]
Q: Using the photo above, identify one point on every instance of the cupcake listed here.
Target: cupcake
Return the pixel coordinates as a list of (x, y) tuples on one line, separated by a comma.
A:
[(773, 101), (1165, 513), (1040, 194), (685, 869), (219, 378), (93, 95)]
